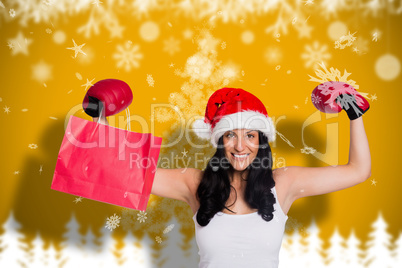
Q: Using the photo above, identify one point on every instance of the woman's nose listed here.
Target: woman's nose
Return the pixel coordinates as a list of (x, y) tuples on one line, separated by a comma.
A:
[(239, 144)]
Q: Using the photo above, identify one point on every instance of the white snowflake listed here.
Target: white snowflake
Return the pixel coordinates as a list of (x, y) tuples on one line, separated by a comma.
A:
[(171, 46), (142, 216), (128, 56), (33, 146), (112, 222), (20, 44), (345, 41), (7, 109), (315, 99), (78, 199), (97, 2), (308, 150), (150, 80), (315, 54), (168, 229), (48, 31), (88, 84), (158, 239), (12, 13), (77, 49)]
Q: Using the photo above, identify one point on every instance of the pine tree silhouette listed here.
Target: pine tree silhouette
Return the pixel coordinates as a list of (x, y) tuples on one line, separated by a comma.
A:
[(11, 244), (378, 247)]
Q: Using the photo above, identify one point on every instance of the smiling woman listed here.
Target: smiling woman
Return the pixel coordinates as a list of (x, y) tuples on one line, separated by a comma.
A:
[(240, 189)]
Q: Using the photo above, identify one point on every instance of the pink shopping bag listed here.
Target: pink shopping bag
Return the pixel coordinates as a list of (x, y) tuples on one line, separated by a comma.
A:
[(107, 164)]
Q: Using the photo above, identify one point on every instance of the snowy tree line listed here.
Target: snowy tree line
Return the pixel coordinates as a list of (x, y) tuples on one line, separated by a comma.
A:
[(90, 251)]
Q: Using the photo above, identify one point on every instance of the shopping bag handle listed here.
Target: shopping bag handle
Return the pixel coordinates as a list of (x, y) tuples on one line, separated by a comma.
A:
[(127, 115)]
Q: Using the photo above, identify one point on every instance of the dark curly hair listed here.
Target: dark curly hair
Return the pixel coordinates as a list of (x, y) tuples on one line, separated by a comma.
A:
[(214, 188)]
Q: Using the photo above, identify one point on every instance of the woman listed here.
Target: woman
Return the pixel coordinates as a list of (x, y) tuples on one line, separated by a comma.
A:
[(239, 203)]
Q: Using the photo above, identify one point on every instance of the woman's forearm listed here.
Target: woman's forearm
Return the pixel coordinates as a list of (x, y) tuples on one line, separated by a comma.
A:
[(359, 151)]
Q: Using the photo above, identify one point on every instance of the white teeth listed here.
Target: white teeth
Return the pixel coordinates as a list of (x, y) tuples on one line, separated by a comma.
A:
[(240, 156)]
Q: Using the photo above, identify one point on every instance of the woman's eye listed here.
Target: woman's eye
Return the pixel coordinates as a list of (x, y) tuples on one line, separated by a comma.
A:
[(230, 135), (250, 136)]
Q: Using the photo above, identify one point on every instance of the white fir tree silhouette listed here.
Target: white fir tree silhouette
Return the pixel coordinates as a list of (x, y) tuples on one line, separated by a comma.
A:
[(397, 252), (108, 259), (314, 246), (51, 257), (132, 253), (173, 252), (90, 254), (336, 252), (353, 253), (72, 246), (285, 253), (11, 244), (38, 252), (378, 247), (191, 255)]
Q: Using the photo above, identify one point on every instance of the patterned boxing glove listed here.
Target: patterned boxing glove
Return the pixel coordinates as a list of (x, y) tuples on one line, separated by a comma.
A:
[(334, 96), (111, 96)]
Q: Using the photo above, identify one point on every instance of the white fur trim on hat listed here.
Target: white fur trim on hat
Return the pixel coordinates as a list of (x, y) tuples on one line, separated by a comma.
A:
[(202, 129), (246, 119)]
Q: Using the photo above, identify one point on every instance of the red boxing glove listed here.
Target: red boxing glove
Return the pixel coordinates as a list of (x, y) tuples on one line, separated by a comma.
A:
[(333, 96), (111, 96)]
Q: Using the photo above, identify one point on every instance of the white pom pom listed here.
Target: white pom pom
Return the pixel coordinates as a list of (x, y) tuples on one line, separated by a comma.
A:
[(202, 129)]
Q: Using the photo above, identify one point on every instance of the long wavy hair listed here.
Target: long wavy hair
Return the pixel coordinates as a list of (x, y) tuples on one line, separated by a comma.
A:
[(214, 188)]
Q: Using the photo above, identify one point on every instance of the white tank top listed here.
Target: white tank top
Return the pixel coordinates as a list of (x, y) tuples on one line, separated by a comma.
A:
[(241, 240)]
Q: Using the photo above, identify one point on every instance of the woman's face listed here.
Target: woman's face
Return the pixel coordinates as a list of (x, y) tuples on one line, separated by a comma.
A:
[(241, 147)]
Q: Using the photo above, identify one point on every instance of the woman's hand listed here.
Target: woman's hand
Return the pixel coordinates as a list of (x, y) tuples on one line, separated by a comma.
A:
[(103, 120)]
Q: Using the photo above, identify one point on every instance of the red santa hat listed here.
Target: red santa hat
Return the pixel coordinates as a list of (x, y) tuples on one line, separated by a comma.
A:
[(233, 108)]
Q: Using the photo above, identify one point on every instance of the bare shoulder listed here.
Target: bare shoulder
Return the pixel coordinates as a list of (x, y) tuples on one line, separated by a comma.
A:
[(193, 179)]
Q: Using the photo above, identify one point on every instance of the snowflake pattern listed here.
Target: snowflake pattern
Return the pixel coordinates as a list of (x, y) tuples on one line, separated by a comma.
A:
[(12, 13), (112, 222), (142, 216), (77, 49), (315, 54), (171, 46), (88, 84), (7, 109), (33, 146), (308, 150), (128, 56), (345, 41), (315, 99), (158, 239), (150, 80), (20, 44), (77, 199)]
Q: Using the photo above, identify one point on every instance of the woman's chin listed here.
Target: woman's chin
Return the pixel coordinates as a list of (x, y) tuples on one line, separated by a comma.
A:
[(239, 166)]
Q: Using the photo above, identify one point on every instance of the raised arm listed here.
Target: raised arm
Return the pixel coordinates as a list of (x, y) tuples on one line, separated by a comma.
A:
[(180, 184), (309, 181)]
